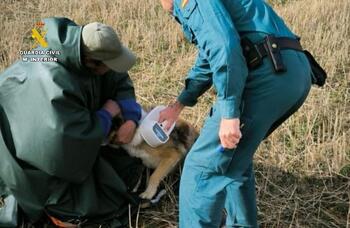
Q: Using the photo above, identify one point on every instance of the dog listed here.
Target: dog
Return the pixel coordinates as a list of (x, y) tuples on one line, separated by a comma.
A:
[(164, 158)]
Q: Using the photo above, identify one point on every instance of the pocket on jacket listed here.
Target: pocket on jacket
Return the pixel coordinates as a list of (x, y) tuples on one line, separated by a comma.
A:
[(192, 16)]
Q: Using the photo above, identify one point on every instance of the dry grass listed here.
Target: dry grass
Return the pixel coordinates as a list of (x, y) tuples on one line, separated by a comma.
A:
[(302, 169)]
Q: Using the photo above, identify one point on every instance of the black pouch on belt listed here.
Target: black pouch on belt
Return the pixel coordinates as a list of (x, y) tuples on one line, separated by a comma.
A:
[(274, 52), (318, 74), (251, 53)]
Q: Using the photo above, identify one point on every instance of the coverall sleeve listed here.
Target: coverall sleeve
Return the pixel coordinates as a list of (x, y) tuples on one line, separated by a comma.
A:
[(219, 41), (198, 81)]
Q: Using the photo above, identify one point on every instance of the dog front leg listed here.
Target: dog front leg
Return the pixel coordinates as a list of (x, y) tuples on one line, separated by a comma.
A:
[(162, 170)]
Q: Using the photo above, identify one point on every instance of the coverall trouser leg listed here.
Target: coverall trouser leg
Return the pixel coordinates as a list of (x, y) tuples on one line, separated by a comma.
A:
[(213, 180)]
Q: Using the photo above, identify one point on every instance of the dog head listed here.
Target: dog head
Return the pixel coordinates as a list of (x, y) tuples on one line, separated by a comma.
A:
[(183, 134)]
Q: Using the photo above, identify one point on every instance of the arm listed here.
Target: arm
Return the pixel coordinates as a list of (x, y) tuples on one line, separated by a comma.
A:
[(219, 41), (211, 28), (119, 87), (198, 81), (109, 110)]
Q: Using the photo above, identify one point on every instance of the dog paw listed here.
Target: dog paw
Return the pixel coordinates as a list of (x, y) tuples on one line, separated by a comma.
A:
[(149, 193)]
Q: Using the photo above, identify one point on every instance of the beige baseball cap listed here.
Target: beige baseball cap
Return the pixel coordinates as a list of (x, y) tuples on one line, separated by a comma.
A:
[(102, 43)]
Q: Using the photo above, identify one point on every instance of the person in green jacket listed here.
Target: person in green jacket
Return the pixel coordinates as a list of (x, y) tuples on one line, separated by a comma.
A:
[(261, 77), (54, 116)]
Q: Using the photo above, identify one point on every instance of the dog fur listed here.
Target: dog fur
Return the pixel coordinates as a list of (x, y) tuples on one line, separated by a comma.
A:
[(163, 158)]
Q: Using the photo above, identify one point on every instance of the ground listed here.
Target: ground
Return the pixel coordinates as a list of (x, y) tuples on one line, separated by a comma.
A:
[(302, 170)]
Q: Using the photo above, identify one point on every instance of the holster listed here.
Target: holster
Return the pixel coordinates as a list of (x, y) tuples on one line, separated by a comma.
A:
[(274, 53)]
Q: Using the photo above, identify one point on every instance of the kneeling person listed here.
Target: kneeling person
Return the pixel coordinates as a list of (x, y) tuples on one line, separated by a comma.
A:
[(54, 117)]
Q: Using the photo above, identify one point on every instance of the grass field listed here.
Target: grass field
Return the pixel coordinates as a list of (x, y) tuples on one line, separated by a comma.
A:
[(303, 169)]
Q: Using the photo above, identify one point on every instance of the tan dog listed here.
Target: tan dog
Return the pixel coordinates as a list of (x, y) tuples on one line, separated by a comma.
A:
[(163, 158)]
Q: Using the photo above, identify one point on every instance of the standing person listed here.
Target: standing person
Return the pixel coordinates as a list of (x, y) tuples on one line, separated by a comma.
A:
[(261, 77), (53, 119)]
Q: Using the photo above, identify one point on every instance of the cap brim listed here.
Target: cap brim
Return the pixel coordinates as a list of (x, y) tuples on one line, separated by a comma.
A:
[(123, 62)]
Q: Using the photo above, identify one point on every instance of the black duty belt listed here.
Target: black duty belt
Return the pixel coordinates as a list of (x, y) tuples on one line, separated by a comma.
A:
[(271, 47)]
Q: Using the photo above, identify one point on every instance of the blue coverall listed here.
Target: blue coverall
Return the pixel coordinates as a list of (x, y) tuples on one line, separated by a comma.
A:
[(261, 98)]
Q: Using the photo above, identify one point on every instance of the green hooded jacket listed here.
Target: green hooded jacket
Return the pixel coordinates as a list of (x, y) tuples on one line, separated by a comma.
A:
[(50, 136)]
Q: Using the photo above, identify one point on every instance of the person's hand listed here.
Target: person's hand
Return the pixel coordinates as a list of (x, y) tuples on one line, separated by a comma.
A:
[(170, 114), (126, 132), (230, 133), (112, 107)]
